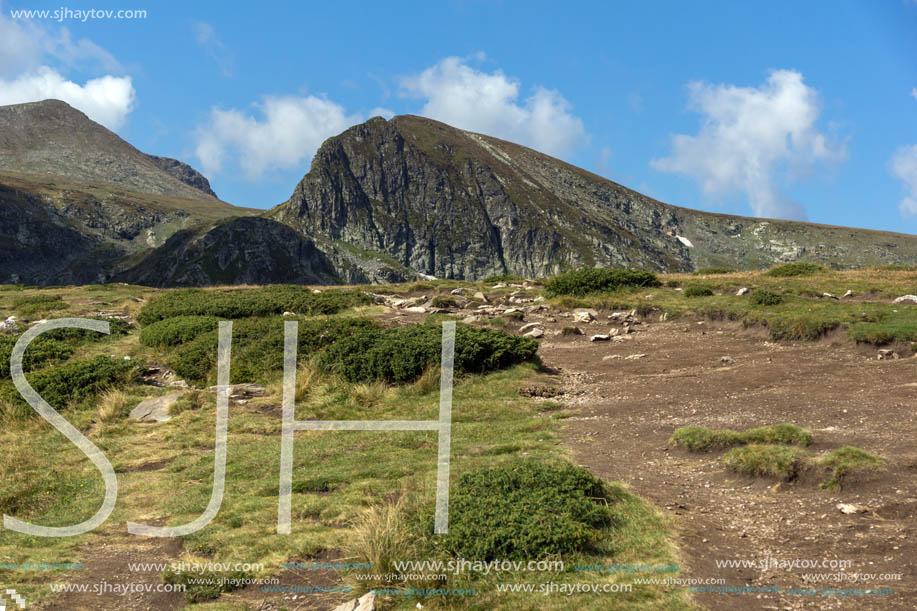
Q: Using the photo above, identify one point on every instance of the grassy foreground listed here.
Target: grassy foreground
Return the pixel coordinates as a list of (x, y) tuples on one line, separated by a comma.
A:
[(358, 496)]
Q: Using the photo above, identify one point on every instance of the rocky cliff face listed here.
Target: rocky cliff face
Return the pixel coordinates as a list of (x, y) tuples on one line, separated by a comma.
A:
[(454, 204), (246, 250), (183, 172)]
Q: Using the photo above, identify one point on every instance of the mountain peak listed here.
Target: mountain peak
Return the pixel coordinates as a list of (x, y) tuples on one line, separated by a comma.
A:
[(52, 137)]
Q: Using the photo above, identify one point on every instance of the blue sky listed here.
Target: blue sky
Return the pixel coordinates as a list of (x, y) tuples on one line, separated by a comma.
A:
[(772, 109)]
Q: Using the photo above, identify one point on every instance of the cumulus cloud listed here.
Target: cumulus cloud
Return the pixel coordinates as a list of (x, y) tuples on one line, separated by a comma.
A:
[(464, 97), (914, 93), (904, 167), (287, 130), (31, 59), (752, 139), (206, 37), (107, 99)]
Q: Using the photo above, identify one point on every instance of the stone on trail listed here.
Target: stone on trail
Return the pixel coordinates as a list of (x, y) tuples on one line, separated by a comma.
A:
[(156, 408), (849, 293), (529, 326), (536, 333), (742, 291), (906, 299), (583, 316), (601, 337)]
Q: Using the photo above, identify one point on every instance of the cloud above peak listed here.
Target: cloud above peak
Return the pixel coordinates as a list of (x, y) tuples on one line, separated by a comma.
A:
[(752, 140), (474, 100), (31, 60)]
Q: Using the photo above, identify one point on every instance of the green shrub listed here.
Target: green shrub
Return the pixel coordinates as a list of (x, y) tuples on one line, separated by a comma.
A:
[(525, 510), (765, 297), (257, 347), (243, 303), (704, 271), (177, 330), (845, 460), (585, 281), (53, 346), (444, 301), (75, 381), (797, 268), (699, 438), (205, 585), (698, 290), (401, 354), (782, 462)]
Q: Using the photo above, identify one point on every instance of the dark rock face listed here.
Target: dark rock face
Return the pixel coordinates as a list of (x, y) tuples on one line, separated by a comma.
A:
[(183, 172), (243, 250), (454, 204)]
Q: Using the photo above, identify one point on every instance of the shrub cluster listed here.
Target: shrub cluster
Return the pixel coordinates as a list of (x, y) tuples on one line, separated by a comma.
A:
[(177, 330), (582, 282), (75, 381), (401, 354), (797, 268), (765, 297), (526, 510), (235, 304), (699, 438), (55, 345), (698, 290), (703, 271), (31, 304)]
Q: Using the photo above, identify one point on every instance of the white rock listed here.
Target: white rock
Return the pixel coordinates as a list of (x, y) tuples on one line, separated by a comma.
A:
[(288, 314), (611, 357), (499, 286), (470, 319), (480, 296), (685, 241), (583, 316), (316, 291), (529, 326), (536, 333), (634, 357), (600, 338), (906, 299), (829, 296), (367, 602), (614, 331), (742, 291), (849, 508), (849, 293), (417, 309)]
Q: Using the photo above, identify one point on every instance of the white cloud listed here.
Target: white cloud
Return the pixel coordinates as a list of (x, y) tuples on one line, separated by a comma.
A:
[(914, 93), (459, 95), (904, 167), (751, 139), (290, 129), (31, 57), (107, 99), (206, 37)]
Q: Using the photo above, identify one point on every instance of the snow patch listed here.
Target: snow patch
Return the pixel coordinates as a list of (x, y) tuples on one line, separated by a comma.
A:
[(685, 241)]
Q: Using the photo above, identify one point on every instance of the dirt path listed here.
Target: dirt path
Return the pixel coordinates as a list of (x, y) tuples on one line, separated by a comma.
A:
[(626, 409)]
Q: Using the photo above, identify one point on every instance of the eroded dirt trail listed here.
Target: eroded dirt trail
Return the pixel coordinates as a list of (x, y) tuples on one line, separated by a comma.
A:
[(626, 409)]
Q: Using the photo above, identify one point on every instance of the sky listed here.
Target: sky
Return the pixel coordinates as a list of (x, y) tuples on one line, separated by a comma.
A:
[(778, 109)]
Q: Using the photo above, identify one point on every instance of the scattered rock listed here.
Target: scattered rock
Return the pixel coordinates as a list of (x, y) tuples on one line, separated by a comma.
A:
[(529, 326), (583, 316), (742, 291), (829, 296), (367, 602), (480, 296), (471, 319), (634, 357), (849, 293), (727, 360), (9, 324), (457, 291), (849, 508), (178, 384), (663, 317), (545, 392), (886, 354), (156, 408), (288, 314), (906, 299), (600, 338), (611, 357), (614, 331), (536, 333), (417, 309)]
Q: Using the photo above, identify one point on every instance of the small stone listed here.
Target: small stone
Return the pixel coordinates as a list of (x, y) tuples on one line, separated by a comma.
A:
[(849, 293), (600, 338), (470, 319), (417, 309), (536, 333), (611, 357), (288, 314), (849, 508), (727, 360), (529, 326), (742, 291), (634, 357), (663, 317), (583, 316), (886, 354), (614, 331), (829, 296), (457, 291), (906, 299)]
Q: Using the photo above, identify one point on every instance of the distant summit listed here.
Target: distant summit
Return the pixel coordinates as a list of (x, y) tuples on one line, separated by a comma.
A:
[(53, 138)]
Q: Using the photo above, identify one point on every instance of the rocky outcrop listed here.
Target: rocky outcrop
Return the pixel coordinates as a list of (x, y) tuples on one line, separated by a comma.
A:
[(243, 250), (183, 172), (455, 204)]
